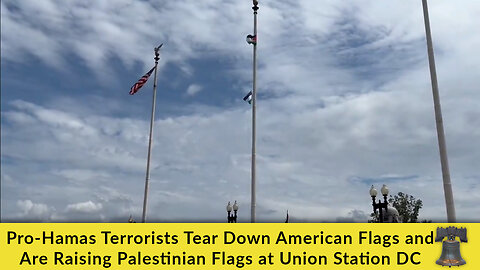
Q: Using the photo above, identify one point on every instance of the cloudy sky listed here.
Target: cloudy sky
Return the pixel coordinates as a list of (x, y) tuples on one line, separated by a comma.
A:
[(344, 102)]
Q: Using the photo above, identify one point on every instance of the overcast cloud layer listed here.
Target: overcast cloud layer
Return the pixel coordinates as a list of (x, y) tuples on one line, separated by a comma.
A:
[(344, 102)]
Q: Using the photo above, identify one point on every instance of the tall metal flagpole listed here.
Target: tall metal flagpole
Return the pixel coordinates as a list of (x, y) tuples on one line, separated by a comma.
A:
[(447, 185), (147, 177), (254, 97)]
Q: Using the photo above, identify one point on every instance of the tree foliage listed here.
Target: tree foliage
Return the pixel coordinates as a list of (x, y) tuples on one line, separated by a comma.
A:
[(408, 206)]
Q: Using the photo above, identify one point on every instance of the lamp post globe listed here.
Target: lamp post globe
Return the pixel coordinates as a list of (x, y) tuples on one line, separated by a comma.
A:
[(373, 191), (229, 207), (384, 190), (232, 218), (235, 206)]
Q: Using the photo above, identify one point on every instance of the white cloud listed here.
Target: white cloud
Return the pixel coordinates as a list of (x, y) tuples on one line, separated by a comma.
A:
[(31, 210), (84, 207), (193, 89), (82, 175)]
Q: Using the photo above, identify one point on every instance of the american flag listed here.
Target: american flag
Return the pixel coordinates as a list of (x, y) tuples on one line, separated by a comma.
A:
[(141, 82)]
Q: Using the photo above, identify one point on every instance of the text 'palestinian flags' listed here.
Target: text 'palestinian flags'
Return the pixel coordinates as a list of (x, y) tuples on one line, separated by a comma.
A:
[(248, 97), (141, 82)]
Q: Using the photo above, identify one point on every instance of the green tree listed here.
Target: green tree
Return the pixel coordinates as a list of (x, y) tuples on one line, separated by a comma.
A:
[(408, 206)]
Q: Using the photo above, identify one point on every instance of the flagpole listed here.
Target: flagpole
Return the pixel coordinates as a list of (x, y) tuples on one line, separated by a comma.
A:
[(447, 185), (152, 120), (254, 105)]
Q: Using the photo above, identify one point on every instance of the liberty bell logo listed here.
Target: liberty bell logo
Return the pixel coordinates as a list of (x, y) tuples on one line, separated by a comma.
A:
[(451, 247)]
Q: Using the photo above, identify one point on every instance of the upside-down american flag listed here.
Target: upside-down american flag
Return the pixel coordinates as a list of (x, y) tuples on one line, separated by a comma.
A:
[(141, 82)]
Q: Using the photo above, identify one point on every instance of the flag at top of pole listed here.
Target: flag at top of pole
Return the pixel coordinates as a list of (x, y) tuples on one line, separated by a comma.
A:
[(251, 39), (141, 82)]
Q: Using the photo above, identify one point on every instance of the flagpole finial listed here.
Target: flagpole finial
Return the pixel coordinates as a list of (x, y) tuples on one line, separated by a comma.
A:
[(255, 5), (157, 52)]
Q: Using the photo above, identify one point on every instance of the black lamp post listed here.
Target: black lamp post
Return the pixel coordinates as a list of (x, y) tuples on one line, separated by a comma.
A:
[(380, 205), (232, 218)]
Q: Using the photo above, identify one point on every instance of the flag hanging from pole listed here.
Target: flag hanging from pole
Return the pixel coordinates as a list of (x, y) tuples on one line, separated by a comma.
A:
[(248, 97), (251, 39), (141, 82)]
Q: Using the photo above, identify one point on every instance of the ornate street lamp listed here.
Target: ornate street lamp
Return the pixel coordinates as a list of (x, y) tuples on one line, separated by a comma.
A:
[(380, 205), (232, 218)]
